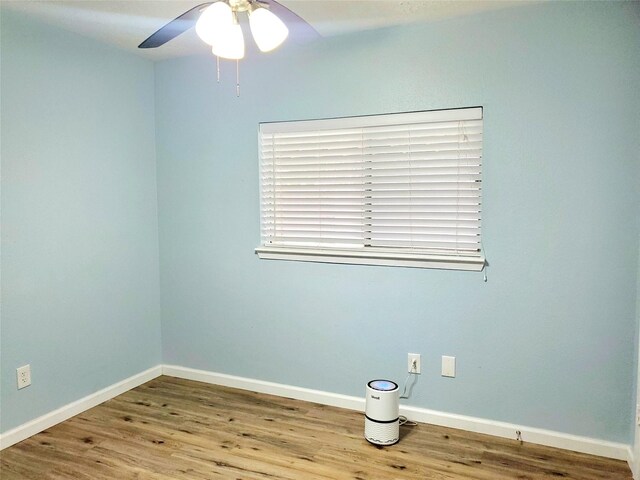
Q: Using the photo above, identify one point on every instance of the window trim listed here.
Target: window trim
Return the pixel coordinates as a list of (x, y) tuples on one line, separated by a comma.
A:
[(373, 256), (381, 256)]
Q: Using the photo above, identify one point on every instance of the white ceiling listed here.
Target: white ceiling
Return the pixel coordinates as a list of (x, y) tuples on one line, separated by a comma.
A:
[(127, 23)]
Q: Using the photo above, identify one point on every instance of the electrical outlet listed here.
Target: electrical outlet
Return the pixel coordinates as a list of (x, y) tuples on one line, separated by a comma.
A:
[(24, 376), (413, 363)]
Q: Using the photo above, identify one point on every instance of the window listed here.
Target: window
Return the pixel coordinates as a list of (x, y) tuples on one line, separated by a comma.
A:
[(400, 189)]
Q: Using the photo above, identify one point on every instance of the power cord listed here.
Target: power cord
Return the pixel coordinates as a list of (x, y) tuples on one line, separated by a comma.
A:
[(414, 367), (403, 419)]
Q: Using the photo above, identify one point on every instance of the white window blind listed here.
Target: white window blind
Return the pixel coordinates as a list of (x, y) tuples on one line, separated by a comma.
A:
[(399, 189)]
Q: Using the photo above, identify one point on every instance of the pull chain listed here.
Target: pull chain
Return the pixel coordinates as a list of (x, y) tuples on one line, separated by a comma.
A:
[(237, 74), (237, 78)]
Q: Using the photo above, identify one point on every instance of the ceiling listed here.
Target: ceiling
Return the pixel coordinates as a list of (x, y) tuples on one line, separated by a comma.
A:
[(127, 23)]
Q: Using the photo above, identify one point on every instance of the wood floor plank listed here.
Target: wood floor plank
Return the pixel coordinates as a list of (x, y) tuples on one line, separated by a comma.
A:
[(177, 429)]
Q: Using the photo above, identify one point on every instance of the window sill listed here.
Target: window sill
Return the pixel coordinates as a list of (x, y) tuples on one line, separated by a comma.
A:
[(373, 257)]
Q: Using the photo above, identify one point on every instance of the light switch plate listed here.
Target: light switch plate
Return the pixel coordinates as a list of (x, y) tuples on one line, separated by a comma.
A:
[(448, 366)]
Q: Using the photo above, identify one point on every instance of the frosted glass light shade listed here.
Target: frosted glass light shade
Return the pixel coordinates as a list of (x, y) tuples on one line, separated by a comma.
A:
[(268, 30), (230, 43), (213, 21)]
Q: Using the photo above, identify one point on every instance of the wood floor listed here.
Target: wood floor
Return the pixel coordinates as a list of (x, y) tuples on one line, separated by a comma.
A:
[(177, 429)]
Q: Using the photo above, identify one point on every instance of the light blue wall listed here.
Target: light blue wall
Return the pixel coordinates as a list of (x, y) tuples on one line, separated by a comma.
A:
[(548, 342), (80, 292)]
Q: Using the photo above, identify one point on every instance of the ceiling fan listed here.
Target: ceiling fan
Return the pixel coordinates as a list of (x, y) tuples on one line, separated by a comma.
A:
[(218, 21), (217, 24)]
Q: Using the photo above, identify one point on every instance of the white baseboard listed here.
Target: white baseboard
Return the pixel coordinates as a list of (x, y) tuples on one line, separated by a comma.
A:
[(260, 386), (632, 463), (539, 436), (50, 419)]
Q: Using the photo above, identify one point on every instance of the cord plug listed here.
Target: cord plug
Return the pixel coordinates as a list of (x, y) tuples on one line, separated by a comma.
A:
[(413, 363)]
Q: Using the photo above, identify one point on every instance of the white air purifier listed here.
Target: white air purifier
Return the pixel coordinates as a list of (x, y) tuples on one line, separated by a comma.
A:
[(382, 413)]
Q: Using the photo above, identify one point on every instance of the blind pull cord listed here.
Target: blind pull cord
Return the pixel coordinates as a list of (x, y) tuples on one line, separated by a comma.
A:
[(486, 264)]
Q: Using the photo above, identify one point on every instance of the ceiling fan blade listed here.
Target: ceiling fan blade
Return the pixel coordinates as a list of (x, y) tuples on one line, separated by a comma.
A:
[(174, 28), (300, 30)]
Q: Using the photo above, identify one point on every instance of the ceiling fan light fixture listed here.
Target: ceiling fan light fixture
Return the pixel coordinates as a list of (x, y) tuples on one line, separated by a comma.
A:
[(267, 29), (213, 21), (230, 43)]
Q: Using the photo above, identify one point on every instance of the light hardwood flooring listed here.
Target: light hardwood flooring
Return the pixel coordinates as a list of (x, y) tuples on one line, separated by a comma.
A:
[(178, 429)]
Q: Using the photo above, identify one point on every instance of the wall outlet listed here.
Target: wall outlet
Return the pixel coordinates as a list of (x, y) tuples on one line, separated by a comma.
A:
[(24, 376), (448, 366), (413, 363)]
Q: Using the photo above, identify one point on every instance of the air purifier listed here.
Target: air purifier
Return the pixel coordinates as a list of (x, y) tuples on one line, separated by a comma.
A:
[(382, 413)]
